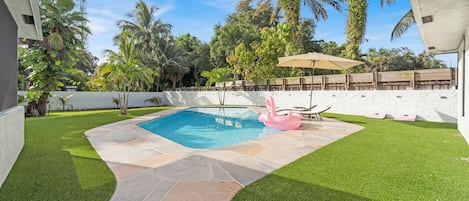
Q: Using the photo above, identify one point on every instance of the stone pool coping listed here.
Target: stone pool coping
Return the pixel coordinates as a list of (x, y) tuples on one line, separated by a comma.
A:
[(150, 167)]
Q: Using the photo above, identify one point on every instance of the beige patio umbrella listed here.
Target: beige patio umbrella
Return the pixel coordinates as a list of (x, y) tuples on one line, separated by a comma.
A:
[(317, 60)]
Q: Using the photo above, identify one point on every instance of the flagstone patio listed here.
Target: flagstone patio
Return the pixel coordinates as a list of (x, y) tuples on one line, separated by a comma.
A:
[(150, 167)]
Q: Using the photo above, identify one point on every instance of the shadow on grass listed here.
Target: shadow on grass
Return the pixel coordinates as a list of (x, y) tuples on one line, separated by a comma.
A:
[(273, 187), (341, 118), (57, 161), (427, 124)]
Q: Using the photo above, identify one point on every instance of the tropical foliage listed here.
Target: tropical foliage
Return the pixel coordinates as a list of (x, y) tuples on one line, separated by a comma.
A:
[(291, 11), (63, 100), (241, 28), (150, 58), (197, 55), (258, 60), (219, 75), (154, 100), (124, 72), (47, 61), (397, 59)]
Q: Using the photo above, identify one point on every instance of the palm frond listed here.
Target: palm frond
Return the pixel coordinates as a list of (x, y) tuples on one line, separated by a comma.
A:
[(386, 2), (243, 3), (403, 25), (318, 9)]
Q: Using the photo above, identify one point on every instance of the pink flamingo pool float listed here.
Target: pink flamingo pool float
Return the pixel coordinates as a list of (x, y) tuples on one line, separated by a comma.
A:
[(290, 121)]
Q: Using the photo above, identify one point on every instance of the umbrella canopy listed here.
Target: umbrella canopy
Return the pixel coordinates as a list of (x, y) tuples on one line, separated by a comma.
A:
[(317, 60)]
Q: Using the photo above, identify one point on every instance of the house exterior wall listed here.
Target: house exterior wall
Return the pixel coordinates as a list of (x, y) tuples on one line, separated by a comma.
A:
[(8, 59), (11, 116), (428, 105), (11, 139), (463, 86)]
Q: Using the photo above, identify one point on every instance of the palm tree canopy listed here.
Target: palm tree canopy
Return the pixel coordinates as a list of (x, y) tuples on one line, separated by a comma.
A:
[(143, 25), (61, 23), (318, 9), (317, 6), (218, 75)]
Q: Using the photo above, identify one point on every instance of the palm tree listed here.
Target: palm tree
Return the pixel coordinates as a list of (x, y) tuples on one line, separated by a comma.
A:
[(64, 100), (404, 23), (219, 75), (125, 71), (171, 61), (148, 32), (356, 27)]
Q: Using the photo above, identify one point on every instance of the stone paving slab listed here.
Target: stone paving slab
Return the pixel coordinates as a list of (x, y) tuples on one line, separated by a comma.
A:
[(150, 167)]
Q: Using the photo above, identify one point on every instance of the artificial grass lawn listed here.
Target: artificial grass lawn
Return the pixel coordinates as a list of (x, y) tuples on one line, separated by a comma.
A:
[(57, 161), (388, 160)]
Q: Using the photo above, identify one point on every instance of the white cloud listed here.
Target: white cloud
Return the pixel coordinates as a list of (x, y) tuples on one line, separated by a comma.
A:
[(103, 13), (100, 25), (227, 5), (164, 9)]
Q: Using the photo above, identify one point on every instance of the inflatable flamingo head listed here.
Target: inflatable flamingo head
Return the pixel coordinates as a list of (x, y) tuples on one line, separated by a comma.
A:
[(270, 103)]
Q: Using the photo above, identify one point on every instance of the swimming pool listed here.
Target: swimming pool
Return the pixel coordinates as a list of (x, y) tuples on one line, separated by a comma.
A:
[(209, 127)]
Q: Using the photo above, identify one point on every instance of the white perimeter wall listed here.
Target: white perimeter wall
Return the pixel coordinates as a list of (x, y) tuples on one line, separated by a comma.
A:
[(98, 100), (11, 139), (429, 105), (463, 121)]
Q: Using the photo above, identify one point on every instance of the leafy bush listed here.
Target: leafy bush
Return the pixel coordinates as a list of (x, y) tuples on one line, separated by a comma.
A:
[(155, 100)]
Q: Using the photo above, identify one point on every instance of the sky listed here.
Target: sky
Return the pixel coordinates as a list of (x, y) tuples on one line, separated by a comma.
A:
[(198, 18)]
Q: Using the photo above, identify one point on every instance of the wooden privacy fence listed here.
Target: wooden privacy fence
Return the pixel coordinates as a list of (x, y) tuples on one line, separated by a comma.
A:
[(393, 80)]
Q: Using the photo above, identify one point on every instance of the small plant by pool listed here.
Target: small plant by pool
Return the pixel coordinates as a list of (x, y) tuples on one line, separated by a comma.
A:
[(209, 127)]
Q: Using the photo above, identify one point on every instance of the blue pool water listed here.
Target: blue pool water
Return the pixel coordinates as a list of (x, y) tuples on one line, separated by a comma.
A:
[(209, 127)]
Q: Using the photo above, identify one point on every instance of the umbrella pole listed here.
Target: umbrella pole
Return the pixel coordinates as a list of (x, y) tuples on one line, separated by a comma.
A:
[(311, 91)]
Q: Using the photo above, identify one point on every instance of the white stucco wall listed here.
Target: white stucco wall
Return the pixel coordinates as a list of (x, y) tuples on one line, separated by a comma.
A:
[(429, 105), (463, 121), (11, 139), (98, 100)]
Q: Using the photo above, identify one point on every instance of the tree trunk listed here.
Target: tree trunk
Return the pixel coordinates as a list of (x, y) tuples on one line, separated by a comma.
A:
[(355, 28), (157, 84), (124, 105), (221, 97), (42, 104)]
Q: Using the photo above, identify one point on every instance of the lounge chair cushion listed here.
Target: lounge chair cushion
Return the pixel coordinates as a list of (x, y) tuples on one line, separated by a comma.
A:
[(376, 115), (405, 117)]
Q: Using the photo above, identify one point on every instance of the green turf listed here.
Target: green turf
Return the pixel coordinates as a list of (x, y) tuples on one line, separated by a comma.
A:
[(57, 161), (388, 160)]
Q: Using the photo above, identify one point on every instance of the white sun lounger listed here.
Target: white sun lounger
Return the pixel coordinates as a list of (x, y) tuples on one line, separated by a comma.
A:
[(295, 109), (316, 112)]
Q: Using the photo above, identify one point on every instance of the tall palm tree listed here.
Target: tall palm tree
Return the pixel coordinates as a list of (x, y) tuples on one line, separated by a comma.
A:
[(404, 23), (356, 27), (124, 71), (147, 31), (143, 25)]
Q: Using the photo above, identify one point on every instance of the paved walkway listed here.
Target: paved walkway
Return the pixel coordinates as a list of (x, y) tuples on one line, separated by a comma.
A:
[(150, 167)]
